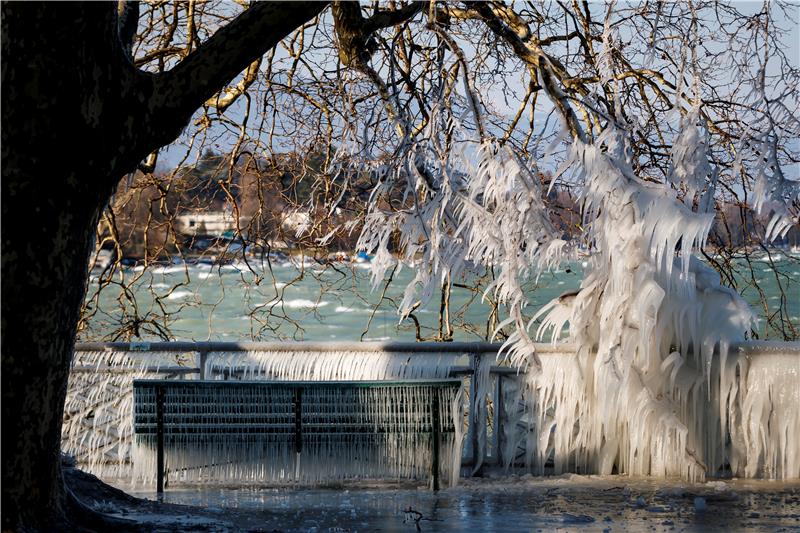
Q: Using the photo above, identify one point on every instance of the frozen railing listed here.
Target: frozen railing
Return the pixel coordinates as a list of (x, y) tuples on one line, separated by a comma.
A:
[(306, 432), (513, 416), (97, 415)]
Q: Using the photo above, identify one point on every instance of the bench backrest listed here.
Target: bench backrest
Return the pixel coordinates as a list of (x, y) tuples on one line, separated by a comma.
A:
[(259, 430), (238, 409)]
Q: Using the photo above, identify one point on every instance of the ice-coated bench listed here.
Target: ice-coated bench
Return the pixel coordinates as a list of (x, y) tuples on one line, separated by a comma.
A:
[(268, 431)]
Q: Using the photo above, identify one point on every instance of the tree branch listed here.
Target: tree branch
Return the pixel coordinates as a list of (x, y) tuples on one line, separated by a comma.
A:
[(127, 19), (180, 91), (356, 43)]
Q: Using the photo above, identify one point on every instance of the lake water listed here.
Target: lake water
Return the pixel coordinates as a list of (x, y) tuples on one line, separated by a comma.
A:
[(309, 301)]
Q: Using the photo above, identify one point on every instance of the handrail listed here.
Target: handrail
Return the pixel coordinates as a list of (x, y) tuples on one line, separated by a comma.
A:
[(479, 354), (293, 346), (460, 347)]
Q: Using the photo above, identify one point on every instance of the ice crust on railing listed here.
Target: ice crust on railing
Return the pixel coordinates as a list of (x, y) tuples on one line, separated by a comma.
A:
[(334, 365), (339, 365), (746, 425), (348, 433), (97, 424), (652, 323), (748, 419), (97, 427), (98, 414)]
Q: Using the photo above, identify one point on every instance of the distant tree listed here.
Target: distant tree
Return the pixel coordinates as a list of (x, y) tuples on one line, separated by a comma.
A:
[(204, 180)]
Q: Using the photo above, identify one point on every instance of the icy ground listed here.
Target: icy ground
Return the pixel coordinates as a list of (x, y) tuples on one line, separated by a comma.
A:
[(502, 504)]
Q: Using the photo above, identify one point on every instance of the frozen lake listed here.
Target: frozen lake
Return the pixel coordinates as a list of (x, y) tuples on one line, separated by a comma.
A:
[(507, 504)]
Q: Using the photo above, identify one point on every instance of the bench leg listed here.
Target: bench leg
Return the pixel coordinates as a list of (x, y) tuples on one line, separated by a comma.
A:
[(436, 443), (159, 442), (298, 430)]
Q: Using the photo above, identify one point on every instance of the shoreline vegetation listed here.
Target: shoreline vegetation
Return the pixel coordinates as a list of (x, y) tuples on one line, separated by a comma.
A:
[(324, 256)]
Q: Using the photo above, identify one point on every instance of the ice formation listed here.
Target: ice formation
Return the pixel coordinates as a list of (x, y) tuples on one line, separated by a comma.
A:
[(547, 419), (370, 431), (758, 402), (300, 365), (97, 427), (355, 365), (647, 324), (653, 388), (98, 416)]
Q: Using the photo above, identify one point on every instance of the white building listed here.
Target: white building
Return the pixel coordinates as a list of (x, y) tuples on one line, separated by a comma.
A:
[(214, 223)]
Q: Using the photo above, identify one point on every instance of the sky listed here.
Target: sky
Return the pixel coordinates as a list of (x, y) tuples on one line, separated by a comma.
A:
[(494, 95)]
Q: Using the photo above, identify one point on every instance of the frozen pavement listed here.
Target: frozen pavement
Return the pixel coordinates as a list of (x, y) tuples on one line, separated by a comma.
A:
[(502, 504)]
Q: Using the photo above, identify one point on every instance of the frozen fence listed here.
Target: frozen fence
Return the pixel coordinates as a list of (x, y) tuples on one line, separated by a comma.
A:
[(297, 431), (98, 424), (745, 421)]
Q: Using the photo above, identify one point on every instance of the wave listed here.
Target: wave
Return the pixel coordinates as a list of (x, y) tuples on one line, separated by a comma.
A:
[(172, 269), (179, 295), (299, 303)]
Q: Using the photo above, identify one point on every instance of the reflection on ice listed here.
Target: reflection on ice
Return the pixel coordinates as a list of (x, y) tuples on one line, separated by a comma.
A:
[(506, 504)]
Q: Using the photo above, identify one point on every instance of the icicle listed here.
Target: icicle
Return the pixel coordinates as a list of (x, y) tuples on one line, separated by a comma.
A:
[(374, 431), (333, 365), (98, 415), (98, 425)]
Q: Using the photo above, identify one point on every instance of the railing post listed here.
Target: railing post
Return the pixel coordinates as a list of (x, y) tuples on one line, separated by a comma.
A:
[(498, 419), (159, 441), (436, 439), (202, 356), (473, 407)]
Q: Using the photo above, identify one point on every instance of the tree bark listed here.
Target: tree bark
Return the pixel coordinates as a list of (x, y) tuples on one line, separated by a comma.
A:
[(76, 117)]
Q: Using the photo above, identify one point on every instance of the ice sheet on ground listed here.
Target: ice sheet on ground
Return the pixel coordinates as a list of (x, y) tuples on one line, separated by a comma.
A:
[(508, 504)]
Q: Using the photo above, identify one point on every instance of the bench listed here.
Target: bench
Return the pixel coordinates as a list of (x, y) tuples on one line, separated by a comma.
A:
[(269, 431)]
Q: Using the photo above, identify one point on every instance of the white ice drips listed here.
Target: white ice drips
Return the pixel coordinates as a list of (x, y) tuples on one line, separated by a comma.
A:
[(98, 414), (473, 204), (773, 192), (689, 154), (97, 426), (330, 366), (375, 432), (744, 425), (653, 323), (639, 302)]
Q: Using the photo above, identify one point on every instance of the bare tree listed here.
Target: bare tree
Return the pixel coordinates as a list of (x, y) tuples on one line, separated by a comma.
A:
[(363, 87), (77, 115)]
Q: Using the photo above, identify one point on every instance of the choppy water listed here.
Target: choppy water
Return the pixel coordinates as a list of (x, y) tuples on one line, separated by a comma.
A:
[(335, 302)]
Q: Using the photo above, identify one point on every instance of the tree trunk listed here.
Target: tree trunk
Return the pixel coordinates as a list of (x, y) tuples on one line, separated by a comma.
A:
[(56, 178), (76, 117), (45, 251)]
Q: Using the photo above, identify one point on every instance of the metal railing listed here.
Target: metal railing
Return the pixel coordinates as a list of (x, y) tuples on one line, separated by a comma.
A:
[(477, 352)]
